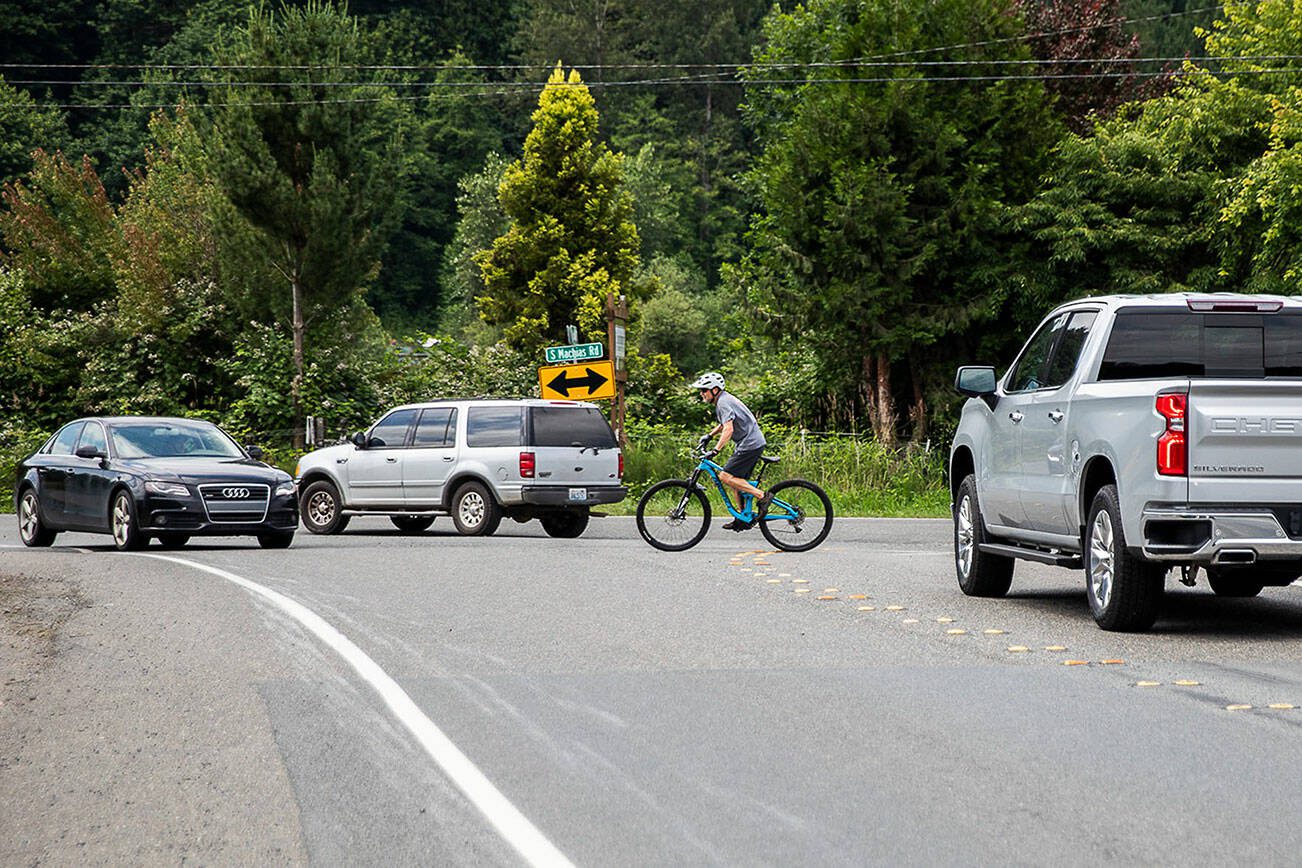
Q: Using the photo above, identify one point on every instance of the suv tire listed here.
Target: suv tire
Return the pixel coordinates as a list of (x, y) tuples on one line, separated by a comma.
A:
[(322, 509), (1125, 593), (568, 524), (474, 511), (979, 574)]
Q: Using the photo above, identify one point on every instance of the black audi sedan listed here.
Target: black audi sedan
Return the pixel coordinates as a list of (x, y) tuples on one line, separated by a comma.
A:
[(141, 477)]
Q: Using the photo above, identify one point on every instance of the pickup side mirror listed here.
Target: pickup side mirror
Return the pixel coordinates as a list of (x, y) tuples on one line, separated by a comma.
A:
[(360, 440), (975, 381), (92, 452), (255, 452)]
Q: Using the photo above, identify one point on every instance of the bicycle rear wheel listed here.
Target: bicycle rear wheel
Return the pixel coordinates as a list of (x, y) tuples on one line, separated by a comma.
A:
[(673, 516), (799, 517)]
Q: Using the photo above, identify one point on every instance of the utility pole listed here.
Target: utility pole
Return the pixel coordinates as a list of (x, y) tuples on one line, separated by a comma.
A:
[(616, 321)]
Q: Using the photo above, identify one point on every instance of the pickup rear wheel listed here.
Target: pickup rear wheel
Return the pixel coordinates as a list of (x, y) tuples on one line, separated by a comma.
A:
[(1230, 583), (979, 574), (1125, 593)]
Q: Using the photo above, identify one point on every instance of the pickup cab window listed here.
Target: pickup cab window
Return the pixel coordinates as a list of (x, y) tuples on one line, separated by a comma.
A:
[(1028, 374), (1070, 343)]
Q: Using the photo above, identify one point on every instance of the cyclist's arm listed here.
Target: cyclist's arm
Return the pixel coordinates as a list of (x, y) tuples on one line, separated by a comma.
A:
[(725, 435)]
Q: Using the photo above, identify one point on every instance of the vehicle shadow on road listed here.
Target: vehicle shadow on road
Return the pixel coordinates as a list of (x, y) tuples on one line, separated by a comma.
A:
[(1275, 614)]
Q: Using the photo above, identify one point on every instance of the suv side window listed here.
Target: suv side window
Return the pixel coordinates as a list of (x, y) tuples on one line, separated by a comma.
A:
[(437, 427), (66, 440), (391, 431), (494, 426), (1065, 358), (1028, 374)]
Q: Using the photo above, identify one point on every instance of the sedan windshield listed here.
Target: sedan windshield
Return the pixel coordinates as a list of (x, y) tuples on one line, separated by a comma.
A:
[(172, 440)]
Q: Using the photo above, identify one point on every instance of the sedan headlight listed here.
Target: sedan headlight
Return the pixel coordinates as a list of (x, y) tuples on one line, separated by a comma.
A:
[(285, 488), (168, 489)]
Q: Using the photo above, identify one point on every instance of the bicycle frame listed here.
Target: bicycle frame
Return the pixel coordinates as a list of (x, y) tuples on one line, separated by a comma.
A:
[(779, 510)]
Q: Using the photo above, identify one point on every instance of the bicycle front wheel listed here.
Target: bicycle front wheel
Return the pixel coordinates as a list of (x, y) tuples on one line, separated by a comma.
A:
[(673, 516), (799, 517)]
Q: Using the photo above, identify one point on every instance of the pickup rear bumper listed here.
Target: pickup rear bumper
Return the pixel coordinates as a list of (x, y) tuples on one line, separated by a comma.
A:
[(1214, 535)]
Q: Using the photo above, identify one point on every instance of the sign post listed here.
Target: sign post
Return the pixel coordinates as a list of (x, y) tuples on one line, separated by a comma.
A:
[(616, 321)]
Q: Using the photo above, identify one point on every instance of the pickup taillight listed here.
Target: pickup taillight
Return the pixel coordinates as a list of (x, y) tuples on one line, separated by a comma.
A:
[(526, 465), (1172, 447)]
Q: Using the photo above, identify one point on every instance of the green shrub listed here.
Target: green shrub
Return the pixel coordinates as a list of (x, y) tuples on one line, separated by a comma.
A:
[(15, 445)]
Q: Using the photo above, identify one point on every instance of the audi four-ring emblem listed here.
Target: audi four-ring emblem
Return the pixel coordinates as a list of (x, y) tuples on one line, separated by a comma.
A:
[(235, 493)]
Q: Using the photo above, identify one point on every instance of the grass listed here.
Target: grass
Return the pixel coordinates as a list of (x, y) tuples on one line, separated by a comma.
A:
[(862, 477)]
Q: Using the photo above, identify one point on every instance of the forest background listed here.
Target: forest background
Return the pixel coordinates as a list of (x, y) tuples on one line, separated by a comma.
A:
[(252, 214)]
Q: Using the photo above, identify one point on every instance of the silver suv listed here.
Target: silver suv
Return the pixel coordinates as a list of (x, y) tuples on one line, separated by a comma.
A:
[(477, 460)]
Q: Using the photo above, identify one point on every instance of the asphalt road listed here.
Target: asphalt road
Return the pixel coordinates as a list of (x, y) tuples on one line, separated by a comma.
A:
[(723, 706)]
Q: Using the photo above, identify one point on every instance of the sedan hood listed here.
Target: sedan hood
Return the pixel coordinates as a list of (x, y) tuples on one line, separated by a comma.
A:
[(197, 471)]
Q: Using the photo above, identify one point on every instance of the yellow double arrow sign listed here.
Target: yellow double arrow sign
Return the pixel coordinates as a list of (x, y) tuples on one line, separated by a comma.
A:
[(583, 382)]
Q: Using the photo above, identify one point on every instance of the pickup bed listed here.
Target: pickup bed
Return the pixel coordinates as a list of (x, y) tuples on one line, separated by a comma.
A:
[(1134, 434)]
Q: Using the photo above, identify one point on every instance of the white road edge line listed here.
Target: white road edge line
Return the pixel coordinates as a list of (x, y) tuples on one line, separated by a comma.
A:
[(512, 825)]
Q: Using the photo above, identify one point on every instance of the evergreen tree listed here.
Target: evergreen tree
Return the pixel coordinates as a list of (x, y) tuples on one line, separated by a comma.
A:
[(572, 238), (314, 165)]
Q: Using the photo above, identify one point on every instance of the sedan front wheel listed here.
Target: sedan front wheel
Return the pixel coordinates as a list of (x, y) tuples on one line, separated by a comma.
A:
[(127, 535)]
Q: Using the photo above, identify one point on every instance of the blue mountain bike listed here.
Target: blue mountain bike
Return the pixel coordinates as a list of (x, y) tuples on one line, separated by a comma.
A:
[(674, 514)]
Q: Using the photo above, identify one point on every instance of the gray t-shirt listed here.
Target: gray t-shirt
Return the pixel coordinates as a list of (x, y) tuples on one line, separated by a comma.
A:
[(746, 432)]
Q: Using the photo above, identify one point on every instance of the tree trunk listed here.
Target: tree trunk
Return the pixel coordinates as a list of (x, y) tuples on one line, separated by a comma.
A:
[(296, 384), (918, 413), (868, 390), (886, 419)]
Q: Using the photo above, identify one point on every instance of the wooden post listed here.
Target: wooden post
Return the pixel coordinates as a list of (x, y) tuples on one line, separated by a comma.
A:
[(616, 324)]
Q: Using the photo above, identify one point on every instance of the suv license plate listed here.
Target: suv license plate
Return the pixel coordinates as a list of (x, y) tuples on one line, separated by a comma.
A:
[(578, 494)]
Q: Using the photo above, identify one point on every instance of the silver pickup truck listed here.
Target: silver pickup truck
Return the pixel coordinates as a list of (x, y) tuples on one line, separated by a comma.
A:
[(1134, 434)]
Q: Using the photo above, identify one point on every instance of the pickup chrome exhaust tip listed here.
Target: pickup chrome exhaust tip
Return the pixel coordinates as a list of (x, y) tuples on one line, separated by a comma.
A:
[(1235, 556)]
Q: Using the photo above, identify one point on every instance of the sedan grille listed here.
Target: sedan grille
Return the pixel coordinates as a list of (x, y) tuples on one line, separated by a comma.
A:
[(236, 502)]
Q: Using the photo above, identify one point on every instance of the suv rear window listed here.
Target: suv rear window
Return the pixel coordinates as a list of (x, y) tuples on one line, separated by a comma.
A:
[(1148, 343), (570, 426), (493, 426)]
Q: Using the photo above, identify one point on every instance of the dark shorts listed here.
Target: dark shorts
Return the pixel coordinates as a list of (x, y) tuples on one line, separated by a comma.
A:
[(743, 461)]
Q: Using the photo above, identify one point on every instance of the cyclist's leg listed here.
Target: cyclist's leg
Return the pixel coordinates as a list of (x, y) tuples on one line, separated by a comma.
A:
[(735, 474)]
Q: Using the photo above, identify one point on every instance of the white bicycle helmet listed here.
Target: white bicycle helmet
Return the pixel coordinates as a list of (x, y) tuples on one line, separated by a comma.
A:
[(709, 380)]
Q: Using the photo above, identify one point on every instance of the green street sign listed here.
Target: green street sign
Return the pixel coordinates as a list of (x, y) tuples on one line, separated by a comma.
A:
[(574, 353)]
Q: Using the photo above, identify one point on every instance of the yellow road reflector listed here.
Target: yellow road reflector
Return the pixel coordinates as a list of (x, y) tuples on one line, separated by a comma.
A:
[(831, 590), (1113, 662), (774, 581), (1075, 663), (1238, 708), (827, 597), (800, 581), (857, 597), (785, 575), (1148, 683), (1282, 706), (945, 620), (802, 590), (993, 632), (747, 570), (1018, 649), (909, 621), (957, 631), (867, 608), (761, 563), (1185, 682), (895, 608), (1055, 647)]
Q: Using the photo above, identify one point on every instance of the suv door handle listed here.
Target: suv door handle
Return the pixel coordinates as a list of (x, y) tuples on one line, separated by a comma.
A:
[(1016, 416), (447, 458), (1056, 416), (391, 460)]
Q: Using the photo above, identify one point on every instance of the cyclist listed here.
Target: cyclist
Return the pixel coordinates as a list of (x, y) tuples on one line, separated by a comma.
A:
[(736, 422)]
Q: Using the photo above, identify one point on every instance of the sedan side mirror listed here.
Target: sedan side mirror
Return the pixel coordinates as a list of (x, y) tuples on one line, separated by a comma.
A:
[(92, 452), (359, 440), (976, 382), (255, 452)]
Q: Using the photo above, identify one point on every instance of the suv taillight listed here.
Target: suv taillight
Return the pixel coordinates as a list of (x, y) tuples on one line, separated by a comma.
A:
[(526, 465), (621, 465), (1172, 450)]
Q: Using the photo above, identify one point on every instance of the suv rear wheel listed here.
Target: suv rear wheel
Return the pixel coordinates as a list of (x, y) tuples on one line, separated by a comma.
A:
[(322, 509), (979, 574), (566, 525), (474, 511), (1125, 593)]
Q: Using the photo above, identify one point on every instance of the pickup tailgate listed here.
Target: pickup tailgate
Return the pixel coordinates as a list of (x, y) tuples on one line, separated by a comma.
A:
[(1245, 441)]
